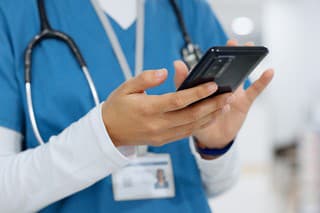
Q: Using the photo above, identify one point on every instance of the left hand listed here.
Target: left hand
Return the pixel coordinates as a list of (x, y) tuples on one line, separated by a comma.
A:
[(224, 128)]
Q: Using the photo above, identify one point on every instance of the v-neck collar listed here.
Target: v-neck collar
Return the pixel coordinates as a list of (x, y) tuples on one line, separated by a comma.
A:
[(123, 12)]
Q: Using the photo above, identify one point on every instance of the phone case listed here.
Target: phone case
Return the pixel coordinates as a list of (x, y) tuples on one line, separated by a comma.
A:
[(227, 66)]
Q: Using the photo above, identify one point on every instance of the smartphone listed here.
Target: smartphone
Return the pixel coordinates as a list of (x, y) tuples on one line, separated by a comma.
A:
[(226, 66)]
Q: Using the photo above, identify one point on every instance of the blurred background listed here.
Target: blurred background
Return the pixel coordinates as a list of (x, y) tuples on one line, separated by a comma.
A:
[(280, 141)]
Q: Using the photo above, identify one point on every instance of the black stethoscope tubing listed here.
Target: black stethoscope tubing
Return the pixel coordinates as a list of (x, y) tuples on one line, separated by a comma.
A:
[(48, 33)]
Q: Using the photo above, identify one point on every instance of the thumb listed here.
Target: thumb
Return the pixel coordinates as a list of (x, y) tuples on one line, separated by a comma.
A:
[(232, 42), (259, 85), (181, 72), (144, 81)]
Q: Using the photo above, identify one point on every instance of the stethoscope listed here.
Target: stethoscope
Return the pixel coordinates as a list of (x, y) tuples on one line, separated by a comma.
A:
[(191, 54)]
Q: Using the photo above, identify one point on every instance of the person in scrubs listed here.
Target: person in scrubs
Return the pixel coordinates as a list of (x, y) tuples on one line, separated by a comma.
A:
[(161, 180), (86, 145)]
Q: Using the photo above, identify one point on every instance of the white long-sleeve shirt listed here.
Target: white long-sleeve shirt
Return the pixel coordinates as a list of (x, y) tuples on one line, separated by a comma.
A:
[(75, 159)]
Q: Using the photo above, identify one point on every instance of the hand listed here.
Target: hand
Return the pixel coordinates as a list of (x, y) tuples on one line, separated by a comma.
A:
[(132, 117), (224, 128)]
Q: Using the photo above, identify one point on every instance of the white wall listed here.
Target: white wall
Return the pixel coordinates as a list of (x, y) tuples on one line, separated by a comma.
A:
[(292, 31)]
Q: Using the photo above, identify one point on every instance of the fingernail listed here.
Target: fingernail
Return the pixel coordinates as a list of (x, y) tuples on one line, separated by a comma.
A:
[(212, 87), (230, 99), (160, 73), (226, 109)]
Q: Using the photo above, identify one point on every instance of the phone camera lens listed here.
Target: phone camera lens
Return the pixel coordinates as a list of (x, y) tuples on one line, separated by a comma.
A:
[(215, 67)]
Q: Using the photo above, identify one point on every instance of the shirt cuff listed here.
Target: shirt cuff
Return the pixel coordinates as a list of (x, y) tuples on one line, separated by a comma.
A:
[(220, 174), (215, 162)]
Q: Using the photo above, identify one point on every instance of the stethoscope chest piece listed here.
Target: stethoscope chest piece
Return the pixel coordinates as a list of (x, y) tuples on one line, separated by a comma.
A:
[(191, 55)]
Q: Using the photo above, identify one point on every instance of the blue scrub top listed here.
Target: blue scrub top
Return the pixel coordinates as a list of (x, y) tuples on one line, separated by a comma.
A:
[(61, 94)]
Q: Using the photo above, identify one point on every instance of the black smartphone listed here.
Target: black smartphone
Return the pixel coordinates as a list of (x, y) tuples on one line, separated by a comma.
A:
[(227, 66)]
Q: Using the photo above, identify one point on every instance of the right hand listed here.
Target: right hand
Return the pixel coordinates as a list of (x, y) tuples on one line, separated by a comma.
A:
[(132, 117)]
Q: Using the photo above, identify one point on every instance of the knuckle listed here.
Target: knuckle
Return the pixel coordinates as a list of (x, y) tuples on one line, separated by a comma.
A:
[(177, 101), (219, 101), (201, 92), (220, 104), (144, 77)]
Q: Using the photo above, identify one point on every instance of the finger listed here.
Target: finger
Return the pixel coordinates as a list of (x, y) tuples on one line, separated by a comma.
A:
[(232, 42), (144, 81), (187, 130), (258, 86), (181, 99), (181, 72), (249, 44), (219, 113), (197, 111), (240, 88)]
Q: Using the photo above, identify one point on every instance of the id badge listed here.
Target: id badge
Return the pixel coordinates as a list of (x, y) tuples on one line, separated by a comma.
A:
[(146, 177)]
